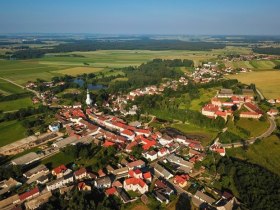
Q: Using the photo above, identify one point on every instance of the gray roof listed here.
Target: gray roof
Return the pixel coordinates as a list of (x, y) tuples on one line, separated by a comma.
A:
[(55, 181), (204, 197), (180, 161), (103, 180), (64, 142), (35, 170), (163, 171), (226, 91), (120, 171), (26, 159)]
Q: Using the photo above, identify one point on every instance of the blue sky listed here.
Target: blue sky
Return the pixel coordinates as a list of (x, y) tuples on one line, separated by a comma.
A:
[(261, 17)]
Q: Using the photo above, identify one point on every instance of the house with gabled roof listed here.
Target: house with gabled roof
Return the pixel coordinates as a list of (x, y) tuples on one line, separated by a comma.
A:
[(135, 184), (80, 174)]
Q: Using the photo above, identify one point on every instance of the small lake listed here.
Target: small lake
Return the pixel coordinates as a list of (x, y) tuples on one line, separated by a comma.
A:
[(81, 82)]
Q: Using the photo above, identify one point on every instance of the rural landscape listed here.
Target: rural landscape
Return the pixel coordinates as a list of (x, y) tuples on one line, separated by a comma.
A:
[(138, 121)]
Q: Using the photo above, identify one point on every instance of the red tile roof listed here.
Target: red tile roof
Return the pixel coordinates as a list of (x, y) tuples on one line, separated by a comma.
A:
[(135, 181), (127, 132), (59, 169), (108, 144), (80, 172), (147, 175), (28, 194), (110, 191)]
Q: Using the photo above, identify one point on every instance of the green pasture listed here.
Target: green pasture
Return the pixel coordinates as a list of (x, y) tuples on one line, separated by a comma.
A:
[(11, 131), (7, 88), (15, 105)]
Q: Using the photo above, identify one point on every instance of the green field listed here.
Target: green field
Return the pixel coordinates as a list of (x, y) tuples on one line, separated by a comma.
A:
[(79, 70), (7, 88), (22, 71), (265, 153), (58, 159), (205, 135), (11, 131), (256, 127), (15, 104), (205, 96), (254, 64), (267, 81)]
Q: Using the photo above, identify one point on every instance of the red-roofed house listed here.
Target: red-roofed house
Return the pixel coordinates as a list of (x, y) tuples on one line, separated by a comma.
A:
[(128, 134), (135, 173), (110, 191), (181, 180), (147, 176), (221, 114), (83, 187), (30, 194), (80, 174), (59, 171), (253, 108), (136, 164), (108, 144), (101, 173), (135, 184), (143, 132), (219, 149), (210, 110), (273, 112), (151, 155), (253, 115), (216, 102), (130, 146)]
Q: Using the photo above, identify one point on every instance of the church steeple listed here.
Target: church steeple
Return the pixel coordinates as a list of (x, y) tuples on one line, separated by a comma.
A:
[(88, 100)]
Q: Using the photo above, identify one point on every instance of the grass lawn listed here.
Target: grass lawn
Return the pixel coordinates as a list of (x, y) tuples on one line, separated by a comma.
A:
[(255, 127), (267, 81), (15, 104), (265, 153), (205, 97), (11, 131), (58, 159), (204, 135)]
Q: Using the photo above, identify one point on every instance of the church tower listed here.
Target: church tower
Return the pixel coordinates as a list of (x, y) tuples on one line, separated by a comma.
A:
[(88, 100)]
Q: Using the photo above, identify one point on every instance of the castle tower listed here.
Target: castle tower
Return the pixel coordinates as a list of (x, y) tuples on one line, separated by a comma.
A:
[(88, 100)]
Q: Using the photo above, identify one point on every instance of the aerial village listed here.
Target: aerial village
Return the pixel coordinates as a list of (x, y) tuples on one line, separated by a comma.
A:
[(161, 169)]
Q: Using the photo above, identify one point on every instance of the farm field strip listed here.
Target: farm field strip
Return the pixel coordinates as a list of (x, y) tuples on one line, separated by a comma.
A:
[(267, 81)]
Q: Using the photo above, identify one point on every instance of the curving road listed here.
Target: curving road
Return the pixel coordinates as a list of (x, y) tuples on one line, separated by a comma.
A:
[(267, 133)]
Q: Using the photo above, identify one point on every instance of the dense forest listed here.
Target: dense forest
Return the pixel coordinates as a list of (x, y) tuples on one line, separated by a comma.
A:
[(257, 187), (150, 73)]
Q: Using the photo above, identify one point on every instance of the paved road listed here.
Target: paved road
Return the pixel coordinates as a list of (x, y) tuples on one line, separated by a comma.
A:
[(267, 133), (260, 94)]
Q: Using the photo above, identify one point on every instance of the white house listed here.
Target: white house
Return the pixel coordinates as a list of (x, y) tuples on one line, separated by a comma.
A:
[(135, 184)]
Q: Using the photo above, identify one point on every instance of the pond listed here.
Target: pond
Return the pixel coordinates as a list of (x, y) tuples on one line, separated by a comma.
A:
[(81, 82)]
